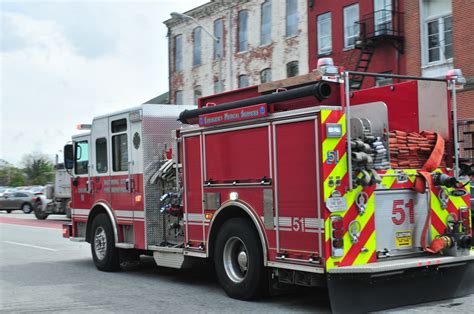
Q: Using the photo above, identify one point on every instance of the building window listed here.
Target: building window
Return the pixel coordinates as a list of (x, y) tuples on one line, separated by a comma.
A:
[(197, 94), (440, 39), (218, 33), (324, 34), (178, 97), (243, 23), (178, 53), (243, 81), (101, 155), (266, 26), (292, 68), (351, 28), (291, 18), (197, 46), (217, 87), (383, 17), (266, 75), (383, 81)]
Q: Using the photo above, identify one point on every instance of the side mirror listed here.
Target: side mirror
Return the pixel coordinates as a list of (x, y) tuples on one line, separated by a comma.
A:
[(68, 156)]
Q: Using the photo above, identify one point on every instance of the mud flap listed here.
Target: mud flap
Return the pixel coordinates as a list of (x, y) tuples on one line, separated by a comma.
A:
[(360, 293)]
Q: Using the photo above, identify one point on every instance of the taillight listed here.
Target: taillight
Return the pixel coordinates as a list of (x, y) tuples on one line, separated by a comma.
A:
[(337, 234), (464, 214), (67, 228)]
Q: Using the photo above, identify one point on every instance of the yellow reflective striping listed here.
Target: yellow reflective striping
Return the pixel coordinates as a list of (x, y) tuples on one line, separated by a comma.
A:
[(331, 143), (387, 182), (434, 233), (324, 115), (339, 171), (363, 257), (363, 220), (457, 201)]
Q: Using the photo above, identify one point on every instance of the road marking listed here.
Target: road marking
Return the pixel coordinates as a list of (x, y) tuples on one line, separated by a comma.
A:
[(30, 245)]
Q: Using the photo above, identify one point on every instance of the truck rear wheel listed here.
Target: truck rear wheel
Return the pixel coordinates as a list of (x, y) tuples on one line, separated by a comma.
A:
[(238, 259), (39, 213), (104, 252)]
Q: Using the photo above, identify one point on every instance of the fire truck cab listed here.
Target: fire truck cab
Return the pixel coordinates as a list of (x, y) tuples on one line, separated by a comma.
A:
[(299, 181)]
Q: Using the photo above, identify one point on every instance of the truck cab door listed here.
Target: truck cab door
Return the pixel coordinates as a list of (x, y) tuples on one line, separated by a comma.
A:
[(100, 166), (121, 183), (81, 189)]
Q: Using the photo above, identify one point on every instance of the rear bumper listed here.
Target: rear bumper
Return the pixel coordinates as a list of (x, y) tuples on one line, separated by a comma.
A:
[(389, 284), (404, 264)]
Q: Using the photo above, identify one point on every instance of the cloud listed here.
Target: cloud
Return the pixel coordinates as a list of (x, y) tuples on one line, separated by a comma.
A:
[(64, 62)]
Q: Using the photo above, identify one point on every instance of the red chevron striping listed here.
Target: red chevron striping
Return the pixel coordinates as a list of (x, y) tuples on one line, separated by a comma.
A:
[(355, 249), (437, 223), (452, 208), (373, 258), (334, 116)]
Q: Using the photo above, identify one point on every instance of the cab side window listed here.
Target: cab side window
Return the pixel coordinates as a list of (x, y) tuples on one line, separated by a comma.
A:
[(101, 155), (119, 145), (82, 157)]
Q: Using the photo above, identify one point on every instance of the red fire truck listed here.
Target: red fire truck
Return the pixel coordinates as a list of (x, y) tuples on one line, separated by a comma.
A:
[(299, 181)]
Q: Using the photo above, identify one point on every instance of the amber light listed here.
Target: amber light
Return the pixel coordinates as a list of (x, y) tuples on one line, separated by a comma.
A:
[(138, 198), (208, 216)]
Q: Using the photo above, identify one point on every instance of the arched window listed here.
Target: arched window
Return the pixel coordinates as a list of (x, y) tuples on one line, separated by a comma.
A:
[(219, 34), (243, 25), (197, 46), (197, 94), (266, 75), (292, 69), (243, 81), (266, 23)]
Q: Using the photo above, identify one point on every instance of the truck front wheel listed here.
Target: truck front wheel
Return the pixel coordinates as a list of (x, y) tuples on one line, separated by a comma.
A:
[(238, 260), (39, 213), (104, 252)]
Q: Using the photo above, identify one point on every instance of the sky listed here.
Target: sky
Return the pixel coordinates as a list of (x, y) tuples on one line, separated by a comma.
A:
[(63, 62)]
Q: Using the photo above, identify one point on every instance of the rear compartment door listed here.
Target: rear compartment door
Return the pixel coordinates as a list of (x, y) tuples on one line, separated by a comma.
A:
[(399, 219)]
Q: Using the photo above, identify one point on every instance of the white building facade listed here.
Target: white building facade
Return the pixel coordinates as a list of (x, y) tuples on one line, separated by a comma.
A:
[(235, 44)]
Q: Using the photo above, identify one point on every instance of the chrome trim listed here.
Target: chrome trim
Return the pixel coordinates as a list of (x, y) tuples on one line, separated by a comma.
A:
[(301, 119), (347, 106), (236, 128), (318, 181), (455, 127), (254, 218), (123, 245), (203, 173), (310, 269), (275, 184), (214, 185), (112, 217), (185, 192), (77, 239)]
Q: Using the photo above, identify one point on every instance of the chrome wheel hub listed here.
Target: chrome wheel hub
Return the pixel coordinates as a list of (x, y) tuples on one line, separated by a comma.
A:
[(235, 257), (100, 243)]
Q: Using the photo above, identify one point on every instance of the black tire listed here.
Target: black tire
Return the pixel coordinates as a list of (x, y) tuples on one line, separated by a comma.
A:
[(39, 213), (104, 252), (237, 236), (27, 208)]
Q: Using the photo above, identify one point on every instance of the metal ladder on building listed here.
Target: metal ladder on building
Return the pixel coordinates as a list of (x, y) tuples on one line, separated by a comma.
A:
[(367, 51)]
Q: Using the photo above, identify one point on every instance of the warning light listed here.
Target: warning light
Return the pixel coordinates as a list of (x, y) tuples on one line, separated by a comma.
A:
[(233, 196), (208, 216), (83, 126), (138, 198)]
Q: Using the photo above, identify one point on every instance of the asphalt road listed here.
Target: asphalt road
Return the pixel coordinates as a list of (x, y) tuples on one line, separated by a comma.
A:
[(42, 272)]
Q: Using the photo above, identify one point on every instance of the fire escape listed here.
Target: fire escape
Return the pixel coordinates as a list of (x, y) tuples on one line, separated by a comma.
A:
[(376, 28)]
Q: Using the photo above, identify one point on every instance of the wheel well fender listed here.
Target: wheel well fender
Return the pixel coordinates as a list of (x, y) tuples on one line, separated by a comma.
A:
[(97, 209), (230, 210)]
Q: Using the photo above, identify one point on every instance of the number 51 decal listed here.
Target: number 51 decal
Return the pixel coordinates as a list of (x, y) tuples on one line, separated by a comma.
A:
[(399, 214)]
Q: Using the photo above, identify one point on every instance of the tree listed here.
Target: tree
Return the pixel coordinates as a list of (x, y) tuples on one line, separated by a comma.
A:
[(11, 175), (38, 168)]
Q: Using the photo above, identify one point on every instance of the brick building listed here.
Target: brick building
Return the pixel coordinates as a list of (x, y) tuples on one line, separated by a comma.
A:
[(257, 41)]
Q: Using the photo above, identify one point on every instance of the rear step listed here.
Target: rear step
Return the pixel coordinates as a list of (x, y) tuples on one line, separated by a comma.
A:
[(390, 285)]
